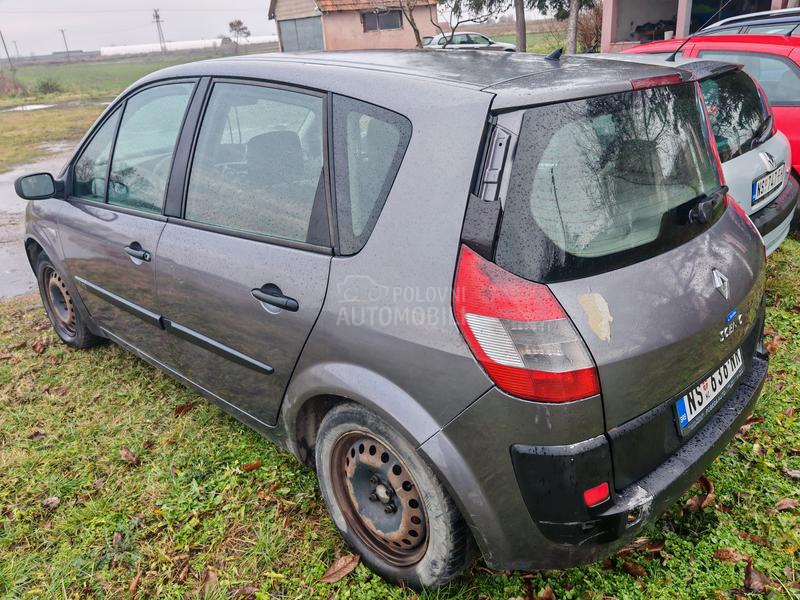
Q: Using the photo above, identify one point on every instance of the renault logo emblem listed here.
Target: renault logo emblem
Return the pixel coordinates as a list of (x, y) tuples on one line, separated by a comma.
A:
[(721, 283), (769, 160)]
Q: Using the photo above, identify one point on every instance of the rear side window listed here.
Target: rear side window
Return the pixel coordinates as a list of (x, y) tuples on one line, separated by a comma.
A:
[(736, 112), (600, 183), (257, 166), (369, 143), (778, 76), (145, 143)]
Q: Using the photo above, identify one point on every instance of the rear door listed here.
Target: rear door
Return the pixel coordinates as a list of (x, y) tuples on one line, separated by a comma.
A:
[(243, 269), (599, 208), (113, 219)]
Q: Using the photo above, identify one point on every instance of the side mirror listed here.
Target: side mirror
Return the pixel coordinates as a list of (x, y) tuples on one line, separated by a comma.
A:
[(36, 187)]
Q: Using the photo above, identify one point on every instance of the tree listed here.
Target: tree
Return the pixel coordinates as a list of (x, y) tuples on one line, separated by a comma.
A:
[(565, 9), (459, 12), (572, 26), (408, 6), (238, 30), (522, 34)]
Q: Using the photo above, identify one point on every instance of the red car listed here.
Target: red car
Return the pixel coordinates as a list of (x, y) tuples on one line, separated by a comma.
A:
[(772, 60)]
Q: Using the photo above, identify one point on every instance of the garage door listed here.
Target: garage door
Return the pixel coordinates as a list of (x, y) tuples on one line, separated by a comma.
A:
[(301, 34)]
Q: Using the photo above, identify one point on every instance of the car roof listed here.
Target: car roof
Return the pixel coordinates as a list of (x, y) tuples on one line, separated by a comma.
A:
[(515, 78), (768, 16), (740, 40)]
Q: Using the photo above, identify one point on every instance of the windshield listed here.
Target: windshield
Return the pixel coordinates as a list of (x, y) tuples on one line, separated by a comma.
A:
[(736, 112), (600, 183)]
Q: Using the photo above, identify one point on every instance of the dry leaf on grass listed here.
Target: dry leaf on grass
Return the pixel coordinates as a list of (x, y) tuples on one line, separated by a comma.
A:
[(128, 456), (209, 584), (730, 555), (547, 594), (341, 567), (643, 544), (755, 581), (116, 539), (134, 585), (792, 473), (634, 569), (36, 434), (39, 346), (252, 466), (16, 346), (51, 503), (702, 500), (786, 504), (184, 408), (751, 537), (247, 592)]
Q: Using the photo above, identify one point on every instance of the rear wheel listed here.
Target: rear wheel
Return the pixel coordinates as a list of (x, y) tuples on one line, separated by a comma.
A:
[(60, 308), (387, 503)]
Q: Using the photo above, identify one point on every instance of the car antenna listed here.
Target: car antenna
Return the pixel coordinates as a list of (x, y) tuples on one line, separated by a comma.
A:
[(555, 54), (671, 57), (791, 31)]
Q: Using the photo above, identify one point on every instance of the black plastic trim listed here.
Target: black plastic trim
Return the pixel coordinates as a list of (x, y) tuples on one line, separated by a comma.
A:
[(776, 212), (213, 346), (138, 311)]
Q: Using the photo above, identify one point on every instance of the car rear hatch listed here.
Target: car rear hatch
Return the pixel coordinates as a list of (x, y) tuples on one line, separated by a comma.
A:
[(615, 204)]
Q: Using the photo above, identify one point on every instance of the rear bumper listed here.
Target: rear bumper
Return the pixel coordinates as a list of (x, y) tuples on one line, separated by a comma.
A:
[(773, 221), (523, 501), (624, 514)]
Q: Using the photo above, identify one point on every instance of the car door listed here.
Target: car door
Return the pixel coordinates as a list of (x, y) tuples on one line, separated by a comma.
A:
[(242, 271), (113, 219)]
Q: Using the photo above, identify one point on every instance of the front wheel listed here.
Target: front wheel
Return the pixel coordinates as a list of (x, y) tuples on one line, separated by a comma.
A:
[(387, 503), (60, 308)]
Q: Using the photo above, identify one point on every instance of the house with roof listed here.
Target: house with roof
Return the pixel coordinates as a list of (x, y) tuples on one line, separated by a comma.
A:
[(350, 24)]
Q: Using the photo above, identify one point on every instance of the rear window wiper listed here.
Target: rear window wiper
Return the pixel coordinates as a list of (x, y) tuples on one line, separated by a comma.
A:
[(705, 204), (765, 134)]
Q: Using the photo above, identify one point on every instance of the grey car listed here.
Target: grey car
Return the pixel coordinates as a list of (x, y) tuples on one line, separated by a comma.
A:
[(527, 346)]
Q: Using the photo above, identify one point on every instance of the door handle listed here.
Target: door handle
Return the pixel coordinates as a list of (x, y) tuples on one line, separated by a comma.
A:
[(135, 251), (271, 294)]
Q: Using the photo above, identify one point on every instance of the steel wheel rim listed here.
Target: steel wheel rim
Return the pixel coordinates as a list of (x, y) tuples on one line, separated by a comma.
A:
[(60, 302), (379, 498)]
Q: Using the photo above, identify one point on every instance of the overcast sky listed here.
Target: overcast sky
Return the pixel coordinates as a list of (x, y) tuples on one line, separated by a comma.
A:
[(89, 24)]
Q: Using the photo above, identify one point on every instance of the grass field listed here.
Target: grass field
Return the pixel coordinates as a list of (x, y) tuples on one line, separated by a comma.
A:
[(538, 43), (105, 492), (28, 135)]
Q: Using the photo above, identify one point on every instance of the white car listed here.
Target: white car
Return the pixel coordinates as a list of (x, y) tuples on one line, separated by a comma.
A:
[(465, 40)]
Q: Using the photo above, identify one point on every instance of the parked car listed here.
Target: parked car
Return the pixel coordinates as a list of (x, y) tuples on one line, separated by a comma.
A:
[(772, 60), (465, 40), (533, 343), (772, 22), (756, 157)]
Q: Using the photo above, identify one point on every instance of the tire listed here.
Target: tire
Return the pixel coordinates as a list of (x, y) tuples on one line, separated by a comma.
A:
[(423, 542), (65, 318)]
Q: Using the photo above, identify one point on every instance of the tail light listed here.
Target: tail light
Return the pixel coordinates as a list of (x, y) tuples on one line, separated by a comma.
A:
[(520, 334), (651, 82)]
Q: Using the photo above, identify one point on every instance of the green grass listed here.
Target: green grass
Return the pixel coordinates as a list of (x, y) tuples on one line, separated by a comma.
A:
[(188, 507), (538, 43)]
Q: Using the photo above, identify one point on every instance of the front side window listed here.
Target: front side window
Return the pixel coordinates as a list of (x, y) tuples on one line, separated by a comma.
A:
[(146, 141), (257, 166), (736, 112), (604, 182), (91, 169), (369, 143), (474, 38), (778, 76)]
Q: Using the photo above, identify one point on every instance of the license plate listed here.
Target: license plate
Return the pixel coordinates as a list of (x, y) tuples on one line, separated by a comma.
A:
[(705, 393), (767, 183)]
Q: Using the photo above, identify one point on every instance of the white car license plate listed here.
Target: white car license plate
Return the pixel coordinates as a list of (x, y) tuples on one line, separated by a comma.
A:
[(706, 392), (767, 183)]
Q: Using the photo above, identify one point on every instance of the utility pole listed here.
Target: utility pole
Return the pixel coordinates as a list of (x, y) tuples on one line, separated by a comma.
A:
[(158, 21), (64, 37), (8, 56)]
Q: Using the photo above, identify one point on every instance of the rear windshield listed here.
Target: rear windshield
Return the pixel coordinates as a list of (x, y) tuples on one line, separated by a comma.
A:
[(604, 182), (736, 111)]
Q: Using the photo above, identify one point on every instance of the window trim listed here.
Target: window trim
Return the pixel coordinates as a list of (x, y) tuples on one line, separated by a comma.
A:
[(378, 27), (793, 66), (121, 103), (179, 218)]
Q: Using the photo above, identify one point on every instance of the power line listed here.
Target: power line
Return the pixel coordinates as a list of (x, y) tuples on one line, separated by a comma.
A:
[(157, 20), (64, 37)]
